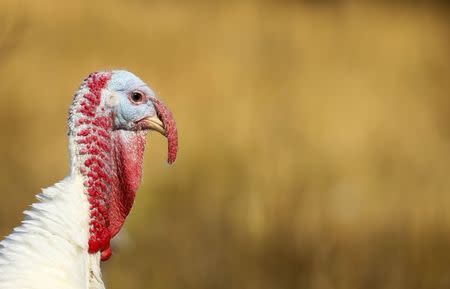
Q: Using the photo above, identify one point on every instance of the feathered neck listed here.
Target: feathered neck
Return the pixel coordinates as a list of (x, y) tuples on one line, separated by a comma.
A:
[(109, 160)]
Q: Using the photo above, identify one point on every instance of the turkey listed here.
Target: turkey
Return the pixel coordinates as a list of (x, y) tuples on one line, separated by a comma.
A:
[(67, 232)]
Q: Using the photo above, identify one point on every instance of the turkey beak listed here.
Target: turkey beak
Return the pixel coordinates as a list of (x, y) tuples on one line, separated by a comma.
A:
[(154, 123)]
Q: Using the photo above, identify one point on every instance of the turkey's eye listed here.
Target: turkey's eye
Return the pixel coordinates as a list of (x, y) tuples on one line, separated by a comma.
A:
[(137, 97)]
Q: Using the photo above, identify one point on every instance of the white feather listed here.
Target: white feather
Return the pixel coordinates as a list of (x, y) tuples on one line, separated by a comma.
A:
[(50, 248)]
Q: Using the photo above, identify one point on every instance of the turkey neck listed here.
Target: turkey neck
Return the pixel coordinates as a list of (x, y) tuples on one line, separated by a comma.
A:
[(109, 160)]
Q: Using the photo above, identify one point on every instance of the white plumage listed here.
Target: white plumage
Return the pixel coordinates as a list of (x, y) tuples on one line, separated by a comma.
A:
[(49, 248)]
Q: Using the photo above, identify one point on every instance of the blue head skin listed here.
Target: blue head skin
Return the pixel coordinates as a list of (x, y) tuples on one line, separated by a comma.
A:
[(131, 101)]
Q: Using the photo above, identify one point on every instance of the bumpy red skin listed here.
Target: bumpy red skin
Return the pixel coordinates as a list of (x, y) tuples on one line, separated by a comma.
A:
[(113, 163), (94, 141)]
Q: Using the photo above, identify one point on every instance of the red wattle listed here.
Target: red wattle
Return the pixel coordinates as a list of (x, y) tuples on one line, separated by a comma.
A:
[(128, 155)]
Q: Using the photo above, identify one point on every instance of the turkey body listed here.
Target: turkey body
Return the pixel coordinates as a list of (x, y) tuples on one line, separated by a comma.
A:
[(66, 234), (51, 244)]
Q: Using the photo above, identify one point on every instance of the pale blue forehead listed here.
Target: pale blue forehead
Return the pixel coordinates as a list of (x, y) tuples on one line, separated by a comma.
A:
[(122, 80)]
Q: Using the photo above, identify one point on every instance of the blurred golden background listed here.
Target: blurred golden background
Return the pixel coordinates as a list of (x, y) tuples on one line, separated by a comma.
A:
[(314, 136)]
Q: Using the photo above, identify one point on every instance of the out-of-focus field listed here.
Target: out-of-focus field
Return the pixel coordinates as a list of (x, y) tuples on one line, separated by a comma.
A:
[(314, 137)]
